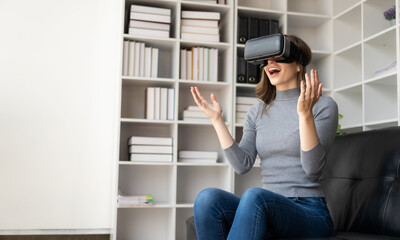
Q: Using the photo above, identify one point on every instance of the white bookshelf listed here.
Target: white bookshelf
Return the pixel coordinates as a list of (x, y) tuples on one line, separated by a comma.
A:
[(347, 46)]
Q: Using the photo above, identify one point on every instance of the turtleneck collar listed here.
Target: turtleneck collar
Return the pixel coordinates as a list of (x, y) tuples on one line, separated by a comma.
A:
[(293, 93)]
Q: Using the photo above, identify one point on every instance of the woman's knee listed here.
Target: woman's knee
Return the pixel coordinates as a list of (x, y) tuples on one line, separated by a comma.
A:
[(257, 194), (207, 198)]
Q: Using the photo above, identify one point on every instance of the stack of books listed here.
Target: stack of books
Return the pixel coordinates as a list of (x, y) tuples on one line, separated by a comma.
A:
[(128, 200), (160, 103), (139, 60), (205, 157), (149, 21), (199, 63), (150, 149), (243, 104), (193, 113), (200, 26)]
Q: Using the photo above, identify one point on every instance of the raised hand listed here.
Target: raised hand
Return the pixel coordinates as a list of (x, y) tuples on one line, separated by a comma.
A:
[(213, 111), (310, 93)]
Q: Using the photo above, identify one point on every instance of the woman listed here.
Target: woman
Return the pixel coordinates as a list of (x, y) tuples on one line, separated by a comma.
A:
[(291, 130)]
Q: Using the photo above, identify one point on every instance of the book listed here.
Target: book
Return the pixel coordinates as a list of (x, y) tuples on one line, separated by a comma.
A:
[(141, 140), (197, 154), (201, 15), (157, 99), (273, 26), (137, 58), (125, 64), (144, 157), (241, 115), (243, 107), (246, 100), (147, 59), (205, 1), (192, 108), (189, 65), (252, 73), (183, 64), (253, 28), (242, 29), (199, 23), (150, 17), (171, 104), (203, 30), (124, 199), (195, 63), (200, 63), (241, 70), (263, 27), (141, 59), (131, 59), (153, 10), (150, 149), (205, 64), (200, 37), (194, 114), (150, 94), (163, 104), (199, 160), (197, 119), (149, 25), (214, 77), (148, 32), (154, 62)]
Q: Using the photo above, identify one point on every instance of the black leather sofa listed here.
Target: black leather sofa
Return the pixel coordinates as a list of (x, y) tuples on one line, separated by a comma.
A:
[(362, 186)]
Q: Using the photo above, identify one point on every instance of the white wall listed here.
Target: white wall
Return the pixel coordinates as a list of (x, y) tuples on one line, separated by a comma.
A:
[(58, 112)]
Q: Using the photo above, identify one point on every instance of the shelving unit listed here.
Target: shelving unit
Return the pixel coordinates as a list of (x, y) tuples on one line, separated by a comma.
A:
[(347, 46)]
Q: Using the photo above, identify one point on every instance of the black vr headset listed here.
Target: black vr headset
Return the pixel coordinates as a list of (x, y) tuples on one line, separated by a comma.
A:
[(275, 46)]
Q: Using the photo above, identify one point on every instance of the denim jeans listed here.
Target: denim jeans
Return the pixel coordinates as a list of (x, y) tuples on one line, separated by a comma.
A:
[(259, 214)]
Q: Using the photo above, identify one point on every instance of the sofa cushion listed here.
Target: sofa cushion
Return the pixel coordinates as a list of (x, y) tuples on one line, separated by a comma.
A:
[(361, 182)]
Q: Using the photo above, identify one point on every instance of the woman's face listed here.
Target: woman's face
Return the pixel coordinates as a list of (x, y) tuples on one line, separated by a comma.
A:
[(282, 75)]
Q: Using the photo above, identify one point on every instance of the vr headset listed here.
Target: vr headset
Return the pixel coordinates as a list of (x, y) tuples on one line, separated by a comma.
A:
[(275, 46)]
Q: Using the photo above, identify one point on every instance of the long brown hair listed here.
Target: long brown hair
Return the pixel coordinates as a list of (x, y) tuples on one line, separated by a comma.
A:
[(265, 91)]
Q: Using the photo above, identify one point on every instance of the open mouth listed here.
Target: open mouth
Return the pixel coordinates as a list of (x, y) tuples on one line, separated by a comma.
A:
[(273, 71)]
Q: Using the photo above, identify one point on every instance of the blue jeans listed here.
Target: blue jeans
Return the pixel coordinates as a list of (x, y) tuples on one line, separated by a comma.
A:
[(259, 214)]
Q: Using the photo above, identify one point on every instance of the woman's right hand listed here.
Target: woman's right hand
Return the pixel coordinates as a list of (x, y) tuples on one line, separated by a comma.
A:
[(213, 111)]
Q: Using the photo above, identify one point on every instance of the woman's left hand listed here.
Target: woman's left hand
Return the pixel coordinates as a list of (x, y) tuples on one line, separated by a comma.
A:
[(309, 95)]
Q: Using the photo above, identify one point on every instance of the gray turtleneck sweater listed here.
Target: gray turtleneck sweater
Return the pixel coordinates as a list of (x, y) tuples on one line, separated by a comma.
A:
[(285, 168)]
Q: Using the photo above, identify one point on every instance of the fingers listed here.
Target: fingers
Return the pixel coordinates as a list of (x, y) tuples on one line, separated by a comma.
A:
[(203, 100), (312, 84), (302, 89), (196, 97), (213, 98), (308, 89)]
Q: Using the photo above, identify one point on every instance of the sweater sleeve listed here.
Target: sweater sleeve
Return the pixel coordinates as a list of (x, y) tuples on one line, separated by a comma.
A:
[(326, 123), (242, 156)]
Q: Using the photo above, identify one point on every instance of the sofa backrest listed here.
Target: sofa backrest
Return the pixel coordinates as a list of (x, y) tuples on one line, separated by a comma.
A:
[(361, 182)]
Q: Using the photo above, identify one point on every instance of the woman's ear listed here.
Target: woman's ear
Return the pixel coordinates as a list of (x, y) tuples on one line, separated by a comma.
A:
[(298, 67)]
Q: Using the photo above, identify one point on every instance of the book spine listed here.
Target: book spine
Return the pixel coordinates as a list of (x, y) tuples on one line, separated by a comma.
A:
[(242, 30), (153, 10), (137, 58), (171, 103), (126, 55), (189, 65), (201, 62), (163, 104), (183, 63), (147, 57), (139, 140), (154, 62), (241, 70), (131, 66), (201, 15), (215, 78), (142, 61), (205, 64), (157, 97), (150, 103), (150, 149), (195, 63), (150, 17), (253, 28)]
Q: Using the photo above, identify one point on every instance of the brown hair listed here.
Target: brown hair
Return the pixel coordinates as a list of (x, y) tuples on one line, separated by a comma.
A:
[(265, 91)]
